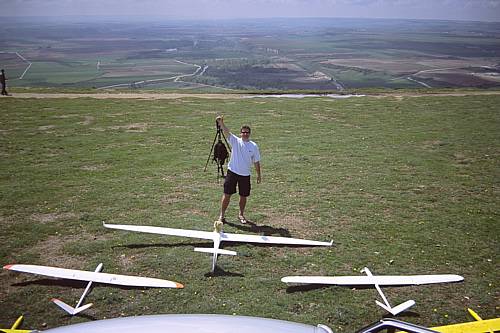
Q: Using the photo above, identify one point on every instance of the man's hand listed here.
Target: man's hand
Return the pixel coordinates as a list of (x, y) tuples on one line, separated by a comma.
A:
[(259, 179), (220, 120), (220, 123)]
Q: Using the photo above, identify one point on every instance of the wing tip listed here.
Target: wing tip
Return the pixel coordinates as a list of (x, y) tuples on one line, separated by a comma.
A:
[(179, 285), (8, 266)]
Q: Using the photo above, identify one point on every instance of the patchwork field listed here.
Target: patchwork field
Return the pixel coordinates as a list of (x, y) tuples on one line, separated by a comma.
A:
[(273, 54), (401, 184)]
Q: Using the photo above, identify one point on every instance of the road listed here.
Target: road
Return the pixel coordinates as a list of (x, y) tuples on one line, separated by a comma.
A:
[(154, 96), (176, 78)]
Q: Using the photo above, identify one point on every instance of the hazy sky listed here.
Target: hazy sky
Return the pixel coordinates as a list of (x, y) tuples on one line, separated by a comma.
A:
[(481, 10)]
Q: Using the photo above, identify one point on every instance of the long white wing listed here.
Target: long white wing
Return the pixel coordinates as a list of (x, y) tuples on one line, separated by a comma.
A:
[(73, 274), (244, 238), (270, 240), (381, 280), (163, 231)]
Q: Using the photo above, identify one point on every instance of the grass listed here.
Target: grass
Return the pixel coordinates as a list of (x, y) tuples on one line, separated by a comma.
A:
[(402, 185)]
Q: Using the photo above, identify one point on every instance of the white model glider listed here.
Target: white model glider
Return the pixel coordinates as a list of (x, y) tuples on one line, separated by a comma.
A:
[(377, 281), (96, 276), (217, 238)]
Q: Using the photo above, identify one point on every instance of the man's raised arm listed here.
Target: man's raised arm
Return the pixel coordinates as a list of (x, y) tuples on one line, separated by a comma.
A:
[(220, 121)]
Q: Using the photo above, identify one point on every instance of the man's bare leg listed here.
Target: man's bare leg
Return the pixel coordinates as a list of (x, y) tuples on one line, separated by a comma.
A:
[(224, 203), (243, 203)]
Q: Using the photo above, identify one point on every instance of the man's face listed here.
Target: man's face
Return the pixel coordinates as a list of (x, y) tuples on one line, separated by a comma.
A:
[(245, 134)]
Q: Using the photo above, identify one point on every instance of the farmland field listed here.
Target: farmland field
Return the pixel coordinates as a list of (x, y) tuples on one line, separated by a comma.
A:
[(402, 185), (278, 54)]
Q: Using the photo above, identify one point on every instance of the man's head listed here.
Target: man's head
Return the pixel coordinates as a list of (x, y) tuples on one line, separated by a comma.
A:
[(245, 132)]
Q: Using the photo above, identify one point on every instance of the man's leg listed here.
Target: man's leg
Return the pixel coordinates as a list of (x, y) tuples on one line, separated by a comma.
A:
[(243, 203), (244, 187), (224, 203)]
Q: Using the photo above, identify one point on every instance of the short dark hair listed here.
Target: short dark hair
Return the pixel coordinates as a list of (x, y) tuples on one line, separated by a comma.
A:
[(245, 127)]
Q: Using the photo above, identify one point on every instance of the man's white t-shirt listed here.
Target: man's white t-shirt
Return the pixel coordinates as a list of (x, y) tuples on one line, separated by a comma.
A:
[(243, 155)]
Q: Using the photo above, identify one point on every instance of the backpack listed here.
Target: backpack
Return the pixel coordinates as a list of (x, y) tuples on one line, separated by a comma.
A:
[(220, 153)]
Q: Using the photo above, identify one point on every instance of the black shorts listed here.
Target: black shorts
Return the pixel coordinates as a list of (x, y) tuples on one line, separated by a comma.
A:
[(243, 184)]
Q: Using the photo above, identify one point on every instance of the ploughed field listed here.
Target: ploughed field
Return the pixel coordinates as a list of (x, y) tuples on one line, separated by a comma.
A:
[(313, 54)]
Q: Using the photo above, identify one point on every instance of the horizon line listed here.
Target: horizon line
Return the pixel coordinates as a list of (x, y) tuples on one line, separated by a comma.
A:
[(158, 17)]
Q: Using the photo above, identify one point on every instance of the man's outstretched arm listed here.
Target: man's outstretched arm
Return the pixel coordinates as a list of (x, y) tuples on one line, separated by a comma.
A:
[(220, 121)]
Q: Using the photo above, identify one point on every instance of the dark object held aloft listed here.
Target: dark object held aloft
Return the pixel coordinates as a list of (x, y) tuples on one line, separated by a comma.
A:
[(220, 151)]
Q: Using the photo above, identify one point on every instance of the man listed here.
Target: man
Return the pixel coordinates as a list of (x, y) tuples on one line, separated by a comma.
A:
[(3, 78), (244, 153)]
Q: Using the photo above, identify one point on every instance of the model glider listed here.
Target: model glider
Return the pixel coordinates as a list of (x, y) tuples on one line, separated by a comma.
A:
[(377, 281), (14, 328), (478, 326), (96, 276), (217, 238)]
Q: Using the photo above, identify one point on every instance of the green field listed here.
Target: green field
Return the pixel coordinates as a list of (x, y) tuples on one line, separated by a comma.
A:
[(401, 185)]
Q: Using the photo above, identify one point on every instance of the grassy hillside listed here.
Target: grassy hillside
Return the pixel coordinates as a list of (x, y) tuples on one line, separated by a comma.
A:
[(402, 186)]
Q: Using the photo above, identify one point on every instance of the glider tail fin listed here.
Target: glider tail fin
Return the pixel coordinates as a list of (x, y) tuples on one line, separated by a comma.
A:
[(17, 323), (69, 309), (476, 317), (398, 308), (392, 310), (474, 314)]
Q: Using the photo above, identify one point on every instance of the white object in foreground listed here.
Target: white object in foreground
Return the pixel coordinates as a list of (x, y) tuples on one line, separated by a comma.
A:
[(189, 323), (377, 281), (217, 238), (96, 276)]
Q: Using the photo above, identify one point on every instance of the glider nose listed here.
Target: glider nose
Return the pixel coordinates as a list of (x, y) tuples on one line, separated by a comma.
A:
[(178, 285)]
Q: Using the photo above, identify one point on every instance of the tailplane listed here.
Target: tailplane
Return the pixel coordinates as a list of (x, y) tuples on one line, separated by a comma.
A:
[(68, 308), (398, 308)]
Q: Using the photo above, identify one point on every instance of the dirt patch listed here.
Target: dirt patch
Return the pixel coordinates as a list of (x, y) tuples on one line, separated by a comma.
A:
[(380, 65), (325, 116), (126, 261), (279, 225), (174, 197), (457, 78), (88, 120), (52, 217), (463, 160), (97, 167), (53, 245), (7, 220), (9, 279), (137, 127), (46, 127), (433, 144)]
